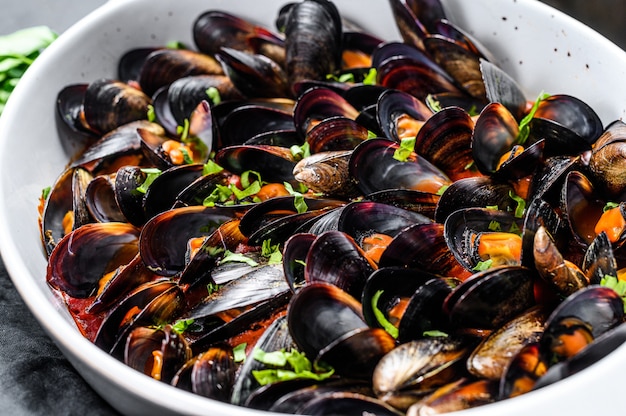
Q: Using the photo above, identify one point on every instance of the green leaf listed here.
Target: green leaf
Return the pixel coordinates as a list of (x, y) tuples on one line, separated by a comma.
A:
[(300, 152), (524, 125), (291, 365), (239, 352), (212, 288), (183, 130), (380, 316), (245, 178), (298, 200), (495, 226), (371, 135), (151, 115), (214, 95), (434, 333), (175, 44), (272, 252), (151, 175), (433, 103), (619, 286), (442, 189), (210, 167), (402, 153), (370, 77), (253, 189), (610, 205), (45, 192), (483, 265), (26, 41), (521, 204), (181, 325), (230, 257)]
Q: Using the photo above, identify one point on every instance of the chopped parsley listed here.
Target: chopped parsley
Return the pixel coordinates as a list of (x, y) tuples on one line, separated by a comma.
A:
[(521, 204), (214, 95), (610, 205), (433, 103), (45, 192), (435, 333), (181, 325), (524, 125), (300, 152), (494, 226), (230, 257), (151, 175), (210, 167), (239, 352), (483, 265), (298, 200), (151, 115), (271, 252), (288, 365), (370, 77), (402, 153), (183, 130), (380, 316)]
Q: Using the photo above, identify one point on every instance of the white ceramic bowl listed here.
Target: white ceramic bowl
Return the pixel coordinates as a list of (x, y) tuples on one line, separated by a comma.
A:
[(540, 47)]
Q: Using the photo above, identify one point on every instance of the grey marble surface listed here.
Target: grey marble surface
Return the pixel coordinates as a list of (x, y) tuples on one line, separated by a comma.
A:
[(35, 379)]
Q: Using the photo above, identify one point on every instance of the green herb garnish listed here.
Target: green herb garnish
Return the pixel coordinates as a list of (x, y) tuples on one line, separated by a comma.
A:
[(291, 365), (524, 125), (483, 265), (610, 205), (403, 152), (298, 200), (433, 103), (181, 325), (300, 152), (151, 175), (45, 192), (210, 167), (371, 135), (183, 131), (434, 333), (370, 77), (380, 316), (521, 204), (347, 77), (239, 352), (151, 115), (214, 95), (230, 257), (271, 252), (494, 226), (212, 288), (619, 286)]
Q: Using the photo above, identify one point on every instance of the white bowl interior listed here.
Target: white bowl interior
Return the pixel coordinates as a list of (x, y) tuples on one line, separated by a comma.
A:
[(540, 47)]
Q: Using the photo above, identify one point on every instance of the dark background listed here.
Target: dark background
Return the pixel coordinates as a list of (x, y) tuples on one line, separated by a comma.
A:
[(35, 379)]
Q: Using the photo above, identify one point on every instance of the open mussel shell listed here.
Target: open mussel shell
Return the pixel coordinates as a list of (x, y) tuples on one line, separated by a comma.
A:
[(597, 306), (347, 344), (87, 254), (495, 133), (374, 168), (582, 206), (598, 349), (158, 353), (317, 104), (275, 337), (151, 304), (599, 260), (411, 28), (163, 244), (492, 356), (294, 256), (361, 219), (100, 200), (413, 369), (567, 123), (163, 192), (524, 369), (490, 298), (209, 374), (244, 122), (395, 109), (335, 258), (64, 209), (464, 229)]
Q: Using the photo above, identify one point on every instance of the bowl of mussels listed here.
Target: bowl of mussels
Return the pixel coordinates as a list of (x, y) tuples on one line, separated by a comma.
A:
[(315, 207)]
